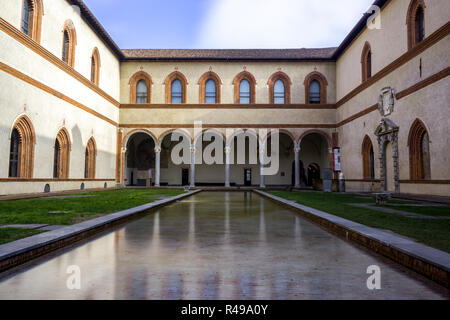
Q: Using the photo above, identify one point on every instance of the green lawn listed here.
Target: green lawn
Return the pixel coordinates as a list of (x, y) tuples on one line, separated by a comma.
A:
[(13, 234), (58, 211), (426, 211), (434, 233)]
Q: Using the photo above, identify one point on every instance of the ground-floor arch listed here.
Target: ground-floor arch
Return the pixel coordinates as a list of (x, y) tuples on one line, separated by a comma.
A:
[(140, 159), (315, 151)]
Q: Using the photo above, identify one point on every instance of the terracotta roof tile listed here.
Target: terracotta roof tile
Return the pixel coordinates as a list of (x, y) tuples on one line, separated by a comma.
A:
[(229, 54)]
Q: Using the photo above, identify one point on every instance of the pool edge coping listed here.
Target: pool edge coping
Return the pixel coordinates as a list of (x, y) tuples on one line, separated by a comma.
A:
[(425, 260), (15, 253)]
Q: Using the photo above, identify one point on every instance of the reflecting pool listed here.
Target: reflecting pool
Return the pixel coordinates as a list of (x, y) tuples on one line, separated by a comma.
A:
[(216, 245)]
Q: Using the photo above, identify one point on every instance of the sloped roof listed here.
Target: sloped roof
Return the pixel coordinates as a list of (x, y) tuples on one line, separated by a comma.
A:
[(229, 54)]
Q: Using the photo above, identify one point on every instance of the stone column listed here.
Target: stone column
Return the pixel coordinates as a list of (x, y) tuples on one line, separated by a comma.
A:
[(297, 166), (123, 156), (262, 152), (227, 166), (192, 185), (157, 166)]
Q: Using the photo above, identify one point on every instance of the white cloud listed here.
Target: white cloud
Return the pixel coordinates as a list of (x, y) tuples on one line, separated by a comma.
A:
[(279, 23)]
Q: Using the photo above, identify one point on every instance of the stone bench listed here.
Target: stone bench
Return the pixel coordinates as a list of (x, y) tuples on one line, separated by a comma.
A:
[(382, 197)]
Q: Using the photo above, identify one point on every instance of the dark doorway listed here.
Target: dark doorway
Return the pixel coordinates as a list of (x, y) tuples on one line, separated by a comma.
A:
[(247, 177), (313, 173), (184, 177)]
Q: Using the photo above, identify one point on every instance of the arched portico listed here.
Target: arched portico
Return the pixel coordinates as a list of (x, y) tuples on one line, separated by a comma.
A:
[(140, 158), (314, 157)]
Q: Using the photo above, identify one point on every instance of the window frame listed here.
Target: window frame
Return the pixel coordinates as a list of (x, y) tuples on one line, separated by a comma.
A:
[(176, 75), (244, 75), (315, 75), (69, 29), (366, 62), (202, 86), (134, 80), (35, 19), (283, 77), (413, 8)]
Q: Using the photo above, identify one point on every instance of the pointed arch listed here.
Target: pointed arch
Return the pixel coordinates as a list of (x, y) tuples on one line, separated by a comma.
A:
[(134, 80), (202, 83), (95, 66), (69, 43), (176, 75), (90, 158), (415, 21), (244, 75), (419, 155), (368, 159), (366, 62), (31, 20), (287, 86), (23, 140), (62, 155), (323, 83)]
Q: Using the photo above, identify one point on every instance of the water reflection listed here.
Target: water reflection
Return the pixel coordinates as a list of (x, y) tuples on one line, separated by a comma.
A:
[(215, 246)]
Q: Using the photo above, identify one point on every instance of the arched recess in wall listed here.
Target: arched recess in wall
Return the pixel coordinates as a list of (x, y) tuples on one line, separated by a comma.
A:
[(204, 94), (315, 76), (90, 159), (31, 19), (141, 88), (69, 43), (23, 139), (176, 75), (366, 62), (415, 21), (368, 159), (61, 158), (419, 151), (244, 75), (95, 66), (279, 94)]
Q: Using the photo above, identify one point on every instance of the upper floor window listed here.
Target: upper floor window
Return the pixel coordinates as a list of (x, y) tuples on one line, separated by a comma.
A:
[(315, 88), (279, 88), (141, 92), (415, 21), (244, 88), (244, 92), (95, 67), (27, 17), (176, 86), (366, 62), (278, 92), (177, 92), (420, 27), (69, 43), (314, 92), (32, 11), (209, 84), (210, 91), (140, 88)]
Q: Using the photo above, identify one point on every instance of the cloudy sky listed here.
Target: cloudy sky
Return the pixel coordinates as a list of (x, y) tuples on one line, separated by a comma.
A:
[(211, 24)]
